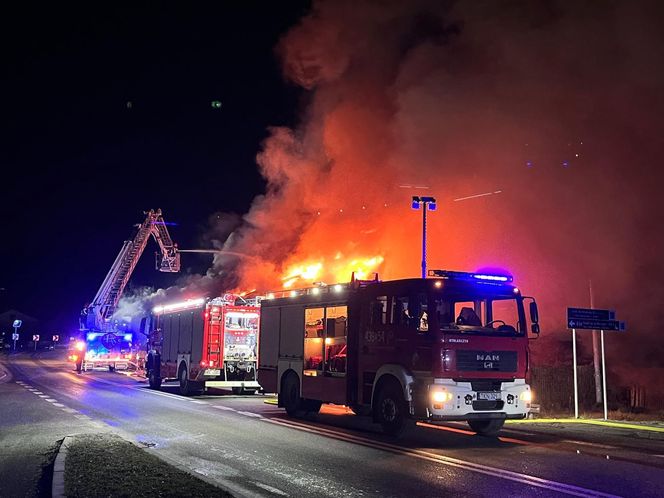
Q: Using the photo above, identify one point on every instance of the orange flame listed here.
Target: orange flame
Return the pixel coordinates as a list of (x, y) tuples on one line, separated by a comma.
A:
[(337, 270)]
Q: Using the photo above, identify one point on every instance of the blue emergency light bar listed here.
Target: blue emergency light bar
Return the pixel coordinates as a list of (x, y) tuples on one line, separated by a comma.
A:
[(464, 275)]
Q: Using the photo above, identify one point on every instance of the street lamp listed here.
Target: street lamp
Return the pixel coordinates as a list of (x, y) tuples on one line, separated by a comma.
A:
[(426, 203)]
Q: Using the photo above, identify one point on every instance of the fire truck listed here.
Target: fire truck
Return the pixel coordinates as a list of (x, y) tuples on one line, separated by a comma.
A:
[(107, 343), (453, 346), (204, 343)]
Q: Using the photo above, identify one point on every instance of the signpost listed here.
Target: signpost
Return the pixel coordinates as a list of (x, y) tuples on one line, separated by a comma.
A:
[(35, 339), (592, 319), (16, 325), (56, 338)]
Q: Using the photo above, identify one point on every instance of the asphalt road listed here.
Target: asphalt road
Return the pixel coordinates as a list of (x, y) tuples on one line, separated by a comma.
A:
[(254, 449)]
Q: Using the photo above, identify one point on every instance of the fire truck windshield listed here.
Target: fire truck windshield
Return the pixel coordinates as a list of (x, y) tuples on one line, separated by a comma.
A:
[(486, 316)]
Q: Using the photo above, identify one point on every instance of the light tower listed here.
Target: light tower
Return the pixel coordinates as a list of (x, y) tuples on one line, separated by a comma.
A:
[(426, 203)]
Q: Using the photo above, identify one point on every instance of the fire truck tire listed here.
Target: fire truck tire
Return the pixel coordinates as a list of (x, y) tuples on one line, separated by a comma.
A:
[(290, 396), (187, 387), (111, 368), (155, 380), (488, 428), (390, 408)]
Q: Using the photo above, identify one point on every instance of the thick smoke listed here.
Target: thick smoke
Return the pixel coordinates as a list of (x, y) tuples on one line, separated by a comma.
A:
[(554, 104)]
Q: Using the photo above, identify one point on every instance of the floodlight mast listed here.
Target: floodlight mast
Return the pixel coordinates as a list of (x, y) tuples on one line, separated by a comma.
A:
[(426, 203)]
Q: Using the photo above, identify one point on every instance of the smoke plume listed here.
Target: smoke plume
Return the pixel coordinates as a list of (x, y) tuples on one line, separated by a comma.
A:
[(552, 107)]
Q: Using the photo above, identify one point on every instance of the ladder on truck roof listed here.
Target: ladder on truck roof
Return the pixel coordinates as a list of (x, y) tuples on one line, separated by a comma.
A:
[(108, 296)]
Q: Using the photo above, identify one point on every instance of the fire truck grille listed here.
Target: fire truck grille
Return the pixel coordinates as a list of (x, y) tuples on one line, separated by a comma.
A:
[(488, 405), (494, 361)]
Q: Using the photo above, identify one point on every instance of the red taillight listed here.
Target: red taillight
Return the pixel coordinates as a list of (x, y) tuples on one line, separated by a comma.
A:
[(203, 363), (211, 363)]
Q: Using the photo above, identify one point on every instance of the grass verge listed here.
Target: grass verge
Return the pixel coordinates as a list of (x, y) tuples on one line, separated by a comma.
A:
[(105, 465)]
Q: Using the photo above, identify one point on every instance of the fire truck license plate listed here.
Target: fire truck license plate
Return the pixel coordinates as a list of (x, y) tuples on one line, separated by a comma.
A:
[(488, 396), (214, 372)]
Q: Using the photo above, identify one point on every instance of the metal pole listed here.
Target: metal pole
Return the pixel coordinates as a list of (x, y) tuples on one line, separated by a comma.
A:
[(576, 389), (606, 413), (596, 365), (424, 240), (15, 332)]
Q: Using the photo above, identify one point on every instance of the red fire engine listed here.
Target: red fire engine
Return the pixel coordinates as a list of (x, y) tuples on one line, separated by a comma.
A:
[(450, 347), (204, 343)]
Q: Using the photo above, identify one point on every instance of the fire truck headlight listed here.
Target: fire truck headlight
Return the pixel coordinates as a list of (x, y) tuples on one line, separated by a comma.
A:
[(80, 345), (527, 396), (441, 396)]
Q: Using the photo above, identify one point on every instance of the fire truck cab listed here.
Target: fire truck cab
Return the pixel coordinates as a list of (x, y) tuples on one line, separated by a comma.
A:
[(204, 343), (450, 347)]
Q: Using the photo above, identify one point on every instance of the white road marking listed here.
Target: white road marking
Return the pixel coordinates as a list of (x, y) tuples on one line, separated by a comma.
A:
[(251, 414), (271, 489), (585, 443), (43, 395), (198, 402), (221, 407), (82, 417), (449, 461), (69, 410), (59, 405), (38, 392), (51, 400)]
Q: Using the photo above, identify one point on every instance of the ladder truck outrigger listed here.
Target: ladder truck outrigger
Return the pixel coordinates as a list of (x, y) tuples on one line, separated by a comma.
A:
[(105, 344)]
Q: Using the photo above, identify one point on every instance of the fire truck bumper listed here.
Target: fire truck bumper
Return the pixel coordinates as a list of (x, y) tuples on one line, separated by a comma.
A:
[(245, 384), (450, 400)]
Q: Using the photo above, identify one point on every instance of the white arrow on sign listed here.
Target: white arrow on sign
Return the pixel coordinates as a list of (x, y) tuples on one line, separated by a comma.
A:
[(35, 338)]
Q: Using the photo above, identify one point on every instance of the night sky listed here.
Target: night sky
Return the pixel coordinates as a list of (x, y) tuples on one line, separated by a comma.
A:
[(331, 114), (107, 113)]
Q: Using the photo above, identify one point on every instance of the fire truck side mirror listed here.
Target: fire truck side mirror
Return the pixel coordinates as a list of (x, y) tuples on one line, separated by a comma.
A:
[(534, 317), (534, 314)]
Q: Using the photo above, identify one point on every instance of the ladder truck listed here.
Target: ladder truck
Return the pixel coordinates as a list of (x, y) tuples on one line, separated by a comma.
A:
[(105, 345)]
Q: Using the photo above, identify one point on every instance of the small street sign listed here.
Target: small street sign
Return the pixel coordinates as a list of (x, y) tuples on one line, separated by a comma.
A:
[(35, 337), (14, 337), (56, 338), (17, 323)]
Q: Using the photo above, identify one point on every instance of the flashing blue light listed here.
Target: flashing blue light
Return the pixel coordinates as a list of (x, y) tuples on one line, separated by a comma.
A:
[(486, 277), (495, 278), (127, 337), (92, 336)]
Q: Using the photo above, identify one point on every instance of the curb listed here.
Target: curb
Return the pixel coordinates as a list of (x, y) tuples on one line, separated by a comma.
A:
[(620, 425), (271, 401), (58, 483)]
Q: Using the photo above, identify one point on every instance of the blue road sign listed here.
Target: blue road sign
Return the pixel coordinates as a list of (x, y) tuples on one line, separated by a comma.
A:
[(610, 325), (590, 314)]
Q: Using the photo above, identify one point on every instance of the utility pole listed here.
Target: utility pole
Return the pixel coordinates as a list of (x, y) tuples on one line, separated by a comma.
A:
[(596, 355)]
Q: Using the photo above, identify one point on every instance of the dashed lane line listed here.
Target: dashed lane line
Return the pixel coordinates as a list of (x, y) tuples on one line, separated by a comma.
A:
[(222, 407), (250, 414), (270, 489), (526, 479)]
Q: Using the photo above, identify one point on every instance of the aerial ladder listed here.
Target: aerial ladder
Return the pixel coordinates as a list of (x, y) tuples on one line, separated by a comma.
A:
[(96, 316)]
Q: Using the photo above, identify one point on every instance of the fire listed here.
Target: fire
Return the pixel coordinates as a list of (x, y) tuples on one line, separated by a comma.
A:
[(338, 270)]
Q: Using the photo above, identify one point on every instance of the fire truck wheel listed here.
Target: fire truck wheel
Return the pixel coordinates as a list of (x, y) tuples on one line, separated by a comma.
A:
[(391, 409), (155, 380), (290, 396), (111, 368), (489, 427), (187, 387)]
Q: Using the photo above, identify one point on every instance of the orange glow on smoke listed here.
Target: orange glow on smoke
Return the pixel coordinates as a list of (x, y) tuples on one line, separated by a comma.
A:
[(339, 269)]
